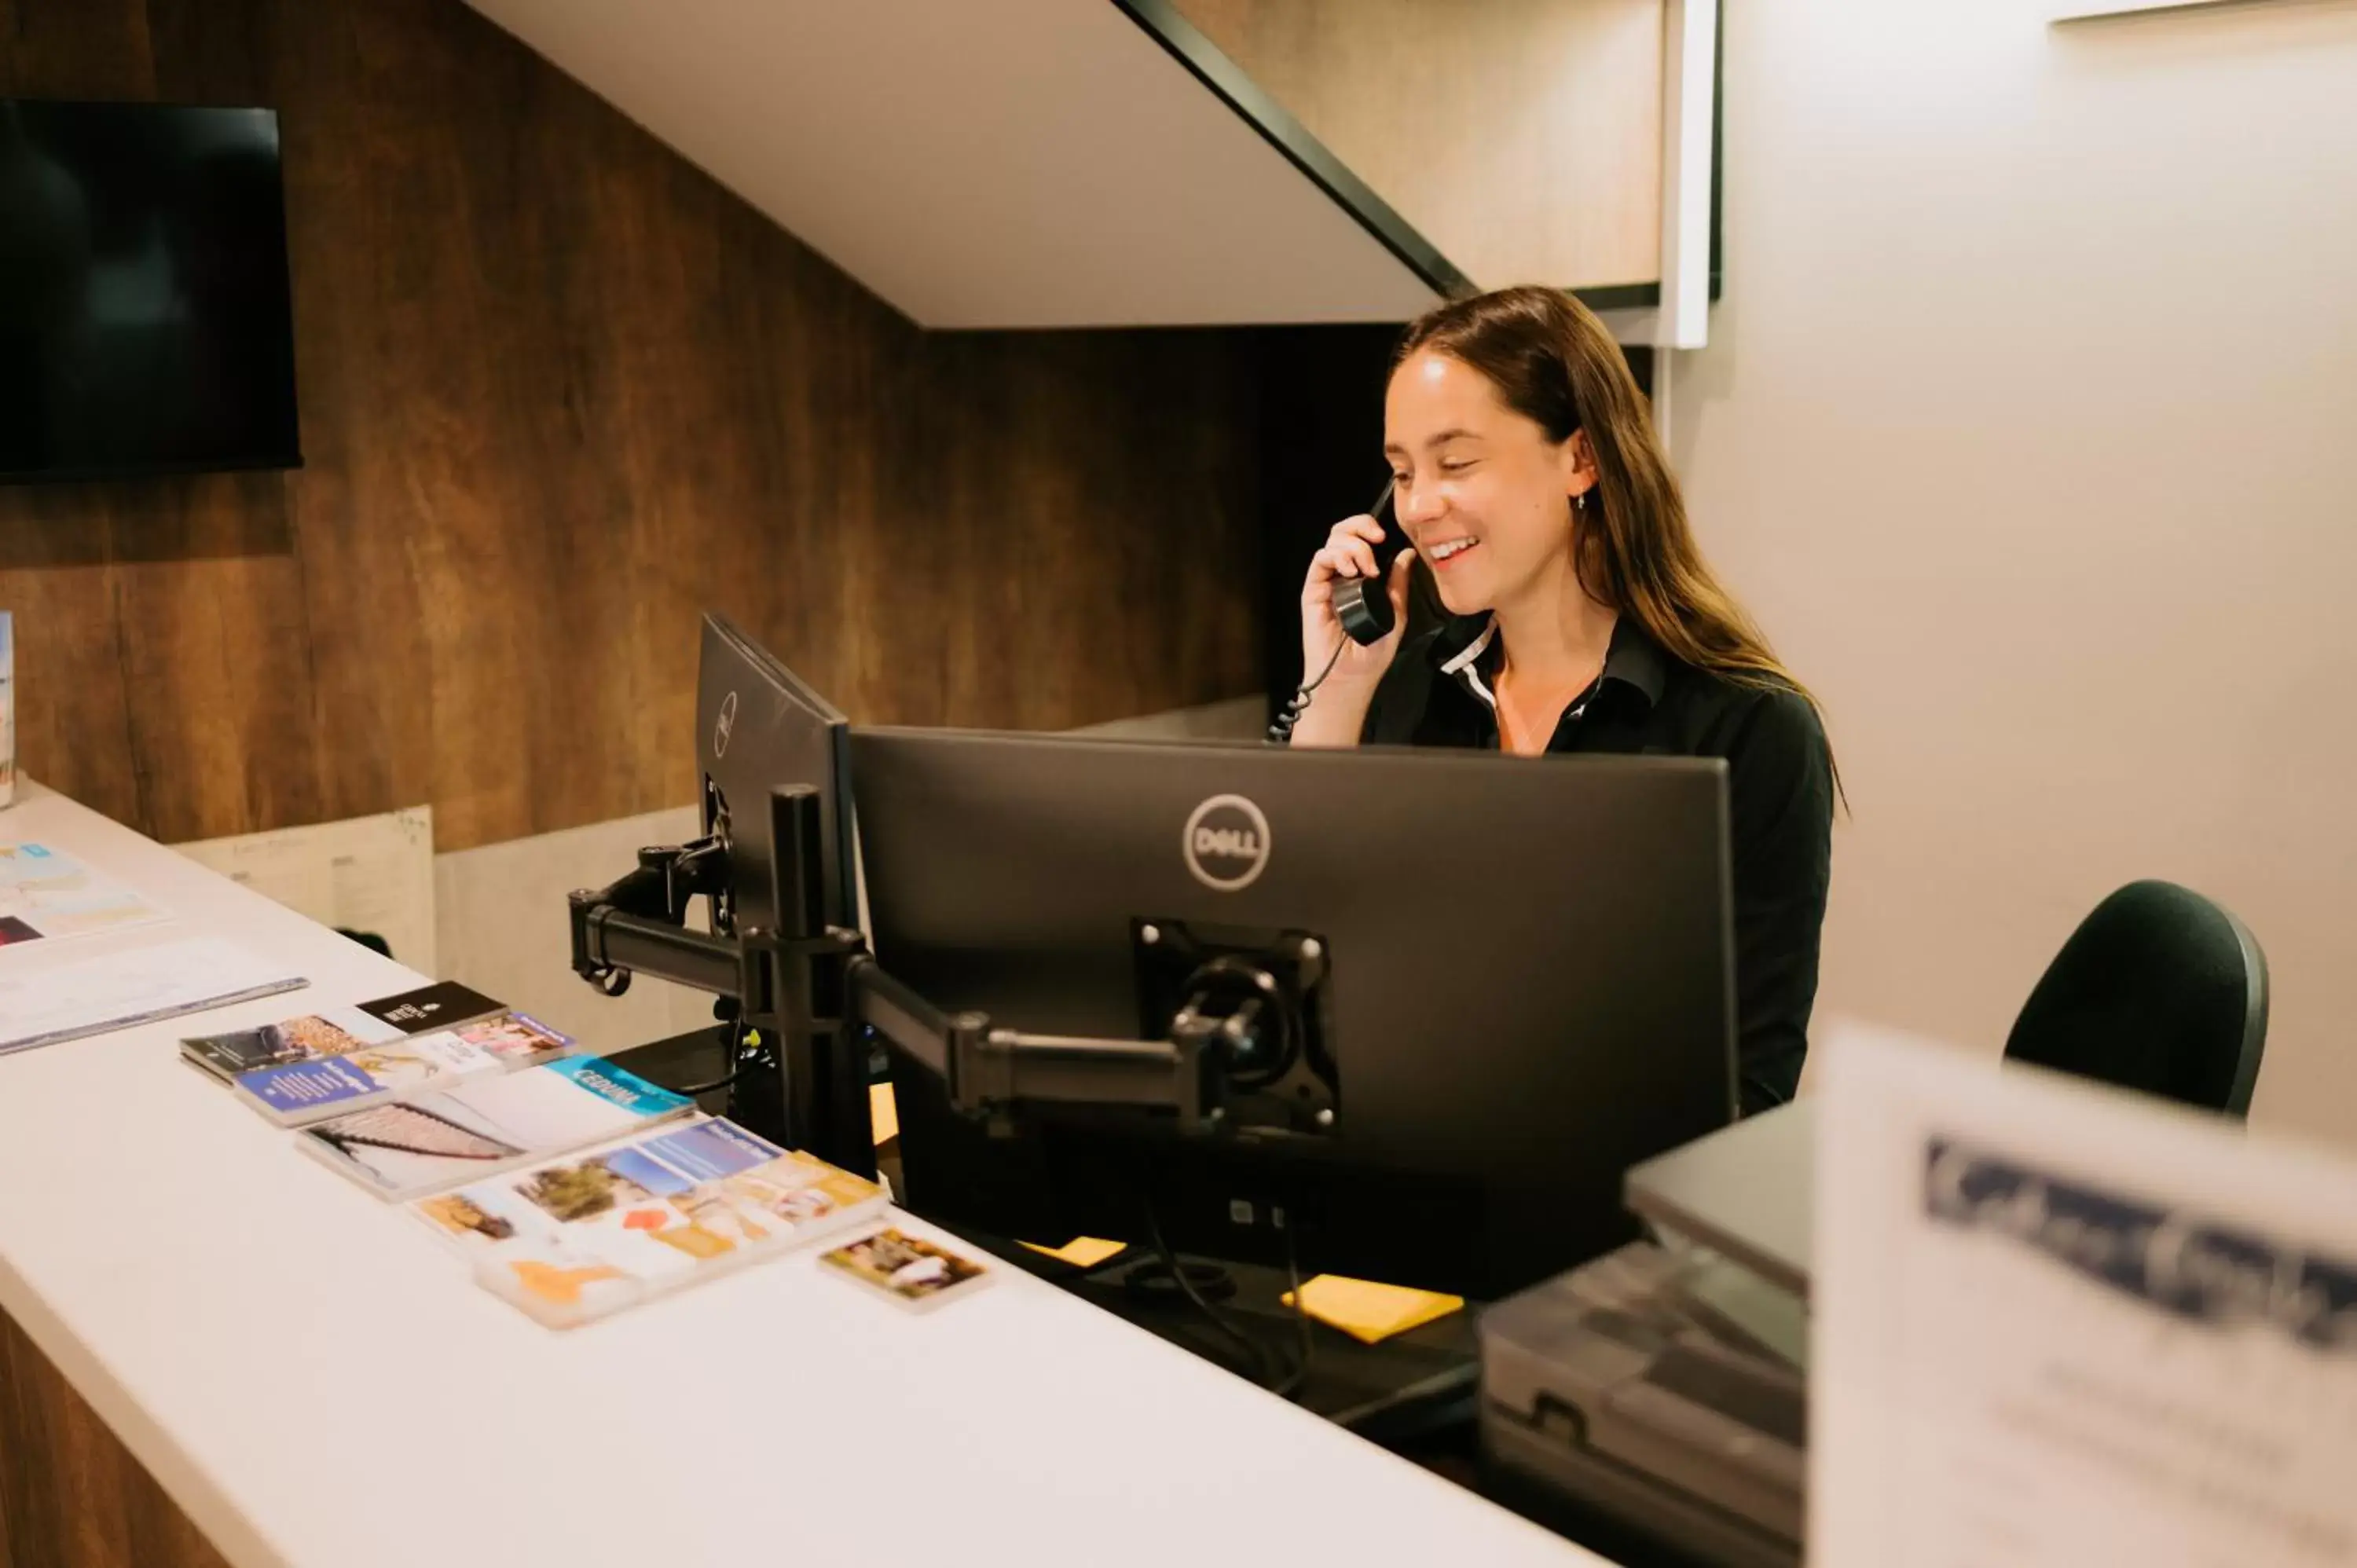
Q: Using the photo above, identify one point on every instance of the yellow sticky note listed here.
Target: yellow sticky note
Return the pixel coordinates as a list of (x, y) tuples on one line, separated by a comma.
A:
[(883, 1112), (1371, 1312), (1080, 1251)]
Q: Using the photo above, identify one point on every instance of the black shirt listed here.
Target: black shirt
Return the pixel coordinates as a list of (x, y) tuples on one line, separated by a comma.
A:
[(1780, 798)]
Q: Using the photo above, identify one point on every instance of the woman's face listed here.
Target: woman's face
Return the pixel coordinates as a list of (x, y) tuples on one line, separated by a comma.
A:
[(1480, 490)]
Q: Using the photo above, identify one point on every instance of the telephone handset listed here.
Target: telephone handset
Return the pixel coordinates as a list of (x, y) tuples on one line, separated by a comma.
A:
[(1363, 605)]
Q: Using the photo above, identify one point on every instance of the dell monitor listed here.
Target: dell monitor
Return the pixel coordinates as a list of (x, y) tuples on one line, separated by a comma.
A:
[(758, 726), (1495, 984)]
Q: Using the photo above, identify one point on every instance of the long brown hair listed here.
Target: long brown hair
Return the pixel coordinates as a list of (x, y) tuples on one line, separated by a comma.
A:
[(1554, 363)]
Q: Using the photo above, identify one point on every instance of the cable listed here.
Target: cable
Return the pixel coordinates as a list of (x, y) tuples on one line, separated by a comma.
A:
[(1290, 1388), (1271, 1372), (1382, 508), (1153, 1279), (738, 1040), (1264, 1374), (1281, 730)]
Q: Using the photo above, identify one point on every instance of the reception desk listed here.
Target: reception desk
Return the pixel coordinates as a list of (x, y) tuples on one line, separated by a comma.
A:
[(218, 1350)]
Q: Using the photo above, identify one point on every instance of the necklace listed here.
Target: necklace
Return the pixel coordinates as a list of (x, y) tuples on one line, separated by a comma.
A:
[(1511, 735)]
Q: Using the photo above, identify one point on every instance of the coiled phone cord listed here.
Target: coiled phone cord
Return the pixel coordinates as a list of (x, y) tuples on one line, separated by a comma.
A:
[(1281, 732)]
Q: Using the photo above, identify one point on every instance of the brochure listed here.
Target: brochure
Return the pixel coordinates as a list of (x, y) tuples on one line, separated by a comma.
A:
[(307, 1089), (429, 1141), (330, 1032), (430, 1008), (908, 1271), (45, 892), (8, 708), (589, 1234)]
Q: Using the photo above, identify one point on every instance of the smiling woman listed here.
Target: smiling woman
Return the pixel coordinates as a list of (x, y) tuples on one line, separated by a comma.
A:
[(1580, 617)]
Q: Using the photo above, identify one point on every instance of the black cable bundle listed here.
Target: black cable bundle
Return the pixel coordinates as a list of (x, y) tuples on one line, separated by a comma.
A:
[(1201, 1283)]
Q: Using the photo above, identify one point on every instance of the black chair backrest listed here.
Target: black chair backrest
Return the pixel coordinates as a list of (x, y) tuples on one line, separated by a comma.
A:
[(369, 940), (2160, 990)]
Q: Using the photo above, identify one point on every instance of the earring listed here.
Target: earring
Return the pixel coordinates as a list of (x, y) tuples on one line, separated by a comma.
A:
[(1579, 502)]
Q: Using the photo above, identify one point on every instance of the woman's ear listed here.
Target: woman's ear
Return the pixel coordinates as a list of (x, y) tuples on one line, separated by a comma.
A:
[(1579, 459)]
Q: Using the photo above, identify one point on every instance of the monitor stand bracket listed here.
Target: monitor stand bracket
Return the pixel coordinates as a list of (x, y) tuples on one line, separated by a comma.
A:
[(814, 990)]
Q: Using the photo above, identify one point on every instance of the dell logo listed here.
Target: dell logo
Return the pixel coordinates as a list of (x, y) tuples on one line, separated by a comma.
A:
[(724, 727), (1226, 844)]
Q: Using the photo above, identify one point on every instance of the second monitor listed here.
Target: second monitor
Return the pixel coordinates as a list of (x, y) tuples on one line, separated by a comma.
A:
[(1486, 986)]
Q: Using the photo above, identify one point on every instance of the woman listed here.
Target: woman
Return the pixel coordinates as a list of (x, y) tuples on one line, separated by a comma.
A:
[(1580, 617)]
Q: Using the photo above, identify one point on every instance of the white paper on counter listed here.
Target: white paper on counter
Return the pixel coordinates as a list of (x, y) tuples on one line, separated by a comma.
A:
[(46, 1004)]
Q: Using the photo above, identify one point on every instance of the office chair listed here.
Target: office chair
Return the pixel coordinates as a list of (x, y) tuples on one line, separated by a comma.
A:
[(369, 940), (2158, 990)]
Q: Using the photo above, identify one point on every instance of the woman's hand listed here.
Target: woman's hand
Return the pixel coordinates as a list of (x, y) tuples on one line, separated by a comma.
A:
[(1339, 706)]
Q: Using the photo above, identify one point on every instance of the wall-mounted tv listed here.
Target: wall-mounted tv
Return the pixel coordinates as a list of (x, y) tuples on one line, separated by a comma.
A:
[(145, 319)]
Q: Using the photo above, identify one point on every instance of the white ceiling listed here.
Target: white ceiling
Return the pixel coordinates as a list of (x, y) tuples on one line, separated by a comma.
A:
[(982, 163)]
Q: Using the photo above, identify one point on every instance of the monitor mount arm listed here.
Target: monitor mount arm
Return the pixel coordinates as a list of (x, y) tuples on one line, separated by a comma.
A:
[(811, 986), (640, 922), (992, 1073)]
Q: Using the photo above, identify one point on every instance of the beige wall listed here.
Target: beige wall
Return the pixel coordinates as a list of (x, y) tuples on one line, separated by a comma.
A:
[(2030, 428), (1522, 137), (501, 926)]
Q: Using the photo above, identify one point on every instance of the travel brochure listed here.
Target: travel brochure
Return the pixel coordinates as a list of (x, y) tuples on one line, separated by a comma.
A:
[(427, 1141), (45, 893), (576, 1188), (589, 1234), (8, 708), (476, 1115), (907, 1270), (330, 1032), (330, 1063)]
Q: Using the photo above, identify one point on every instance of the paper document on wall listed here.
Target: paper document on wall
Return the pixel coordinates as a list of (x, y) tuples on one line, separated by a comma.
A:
[(44, 1003), (2056, 1325), (364, 874)]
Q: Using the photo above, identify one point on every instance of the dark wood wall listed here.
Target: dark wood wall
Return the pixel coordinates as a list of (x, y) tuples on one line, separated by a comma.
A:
[(560, 393), (71, 1495)]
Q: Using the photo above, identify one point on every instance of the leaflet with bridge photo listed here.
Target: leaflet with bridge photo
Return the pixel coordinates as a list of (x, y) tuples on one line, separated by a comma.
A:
[(436, 1140), (2059, 1324)]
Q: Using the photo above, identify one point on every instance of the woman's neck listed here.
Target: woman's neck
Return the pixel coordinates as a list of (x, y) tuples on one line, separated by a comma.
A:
[(1557, 636)]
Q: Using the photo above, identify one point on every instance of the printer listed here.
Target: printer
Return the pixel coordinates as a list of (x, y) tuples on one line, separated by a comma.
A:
[(1663, 1385)]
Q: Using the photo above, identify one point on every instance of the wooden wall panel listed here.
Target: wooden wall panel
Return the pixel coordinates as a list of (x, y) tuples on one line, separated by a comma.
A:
[(88, 49), (1522, 137), (560, 393), (217, 693), (71, 710), (70, 1494)]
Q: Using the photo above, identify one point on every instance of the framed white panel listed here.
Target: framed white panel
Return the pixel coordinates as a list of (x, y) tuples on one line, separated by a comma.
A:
[(364, 873), (1689, 111)]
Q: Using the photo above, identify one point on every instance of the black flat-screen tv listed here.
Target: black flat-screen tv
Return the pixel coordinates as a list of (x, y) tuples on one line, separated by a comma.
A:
[(146, 324)]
